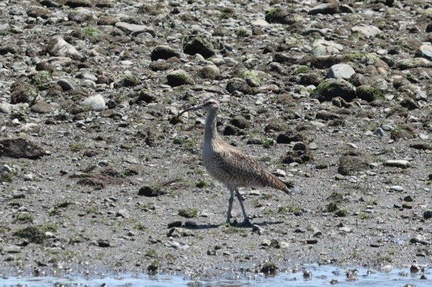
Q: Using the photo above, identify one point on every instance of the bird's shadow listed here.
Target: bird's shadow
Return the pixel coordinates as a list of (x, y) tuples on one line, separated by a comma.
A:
[(235, 225)]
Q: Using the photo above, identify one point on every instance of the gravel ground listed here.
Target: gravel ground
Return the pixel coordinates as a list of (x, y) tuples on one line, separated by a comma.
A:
[(98, 172)]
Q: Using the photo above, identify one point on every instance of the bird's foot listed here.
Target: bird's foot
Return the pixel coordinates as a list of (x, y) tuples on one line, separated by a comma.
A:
[(246, 223)]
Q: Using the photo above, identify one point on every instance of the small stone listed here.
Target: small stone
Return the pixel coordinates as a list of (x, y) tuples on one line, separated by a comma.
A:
[(397, 163), (57, 46), (367, 30), (396, 188), (269, 268), (28, 177), (175, 224), (96, 102), (209, 72), (65, 85), (331, 88), (20, 148), (200, 46), (415, 268), (103, 243), (163, 52), (179, 78), (379, 132), (427, 214), (342, 70), (387, 268), (425, 51), (151, 191)]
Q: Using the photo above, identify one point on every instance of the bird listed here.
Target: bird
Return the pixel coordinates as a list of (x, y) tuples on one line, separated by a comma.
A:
[(229, 165)]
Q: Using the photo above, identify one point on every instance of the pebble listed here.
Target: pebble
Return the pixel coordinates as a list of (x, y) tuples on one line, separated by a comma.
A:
[(396, 188), (96, 102), (397, 163), (28, 177), (367, 30)]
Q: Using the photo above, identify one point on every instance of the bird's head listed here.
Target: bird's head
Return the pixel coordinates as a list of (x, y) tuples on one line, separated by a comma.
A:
[(208, 105)]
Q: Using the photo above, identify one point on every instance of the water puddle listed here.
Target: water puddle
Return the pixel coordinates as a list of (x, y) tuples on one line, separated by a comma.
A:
[(319, 276)]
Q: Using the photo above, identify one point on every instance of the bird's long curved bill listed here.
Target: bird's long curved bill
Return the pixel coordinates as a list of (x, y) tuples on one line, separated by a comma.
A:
[(193, 108)]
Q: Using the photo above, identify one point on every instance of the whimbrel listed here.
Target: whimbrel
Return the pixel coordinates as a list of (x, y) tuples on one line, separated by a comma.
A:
[(229, 165)]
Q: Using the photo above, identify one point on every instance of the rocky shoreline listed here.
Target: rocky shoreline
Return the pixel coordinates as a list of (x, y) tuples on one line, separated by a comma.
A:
[(98, 172)]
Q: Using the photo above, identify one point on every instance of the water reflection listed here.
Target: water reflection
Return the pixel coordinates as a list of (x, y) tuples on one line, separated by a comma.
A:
[(310, 275)]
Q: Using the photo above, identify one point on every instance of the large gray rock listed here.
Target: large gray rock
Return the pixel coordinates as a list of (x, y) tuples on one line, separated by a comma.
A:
[(342, 70)]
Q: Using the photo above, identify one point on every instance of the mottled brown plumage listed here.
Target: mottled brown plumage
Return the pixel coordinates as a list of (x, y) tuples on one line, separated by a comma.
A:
[(229, 165)]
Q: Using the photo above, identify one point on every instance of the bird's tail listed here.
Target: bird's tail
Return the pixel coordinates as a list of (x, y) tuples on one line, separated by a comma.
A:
[(279, 184)]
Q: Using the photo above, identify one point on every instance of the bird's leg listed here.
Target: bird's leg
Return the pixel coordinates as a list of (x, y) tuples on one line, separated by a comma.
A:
[(246, 221), (230, 204)]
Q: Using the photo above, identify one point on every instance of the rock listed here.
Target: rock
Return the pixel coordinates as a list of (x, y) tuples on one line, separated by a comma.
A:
[(96, 102), (331, 88), (350, 165), (78, 3), (397, 163), (20, 148), (412, 63), (179, 78), (330, 8), (163, 52), (425, 51), (396, 188), (367, 30), (369, 93), (280, 15), (410, 104), (209, 72), (104, 243), (57, 46), (269, 268), (135, 29), (38, 11), (196, 45), (22, 92), (427, 214), (65, 85), (342, 70), (151, 191), (238, 84), (42, 107), (289, 137)]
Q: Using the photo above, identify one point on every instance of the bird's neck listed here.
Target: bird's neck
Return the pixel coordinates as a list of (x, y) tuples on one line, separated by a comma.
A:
[(210, 133)]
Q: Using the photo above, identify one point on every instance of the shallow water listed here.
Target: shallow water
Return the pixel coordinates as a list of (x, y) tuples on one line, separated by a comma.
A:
[(321, 276)]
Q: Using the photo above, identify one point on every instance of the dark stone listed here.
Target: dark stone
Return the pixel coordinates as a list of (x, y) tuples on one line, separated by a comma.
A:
[(269, 268), (326, 116), (20, 148), (331, 88), (103, 243), (22, 92), (240, 122), (427, 214), (151, 191), (78, 3), (289, 137), (199, 46), (163, 52), (175, 224), (231, 130), (279, 15), (410, 104), (238, 84)]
